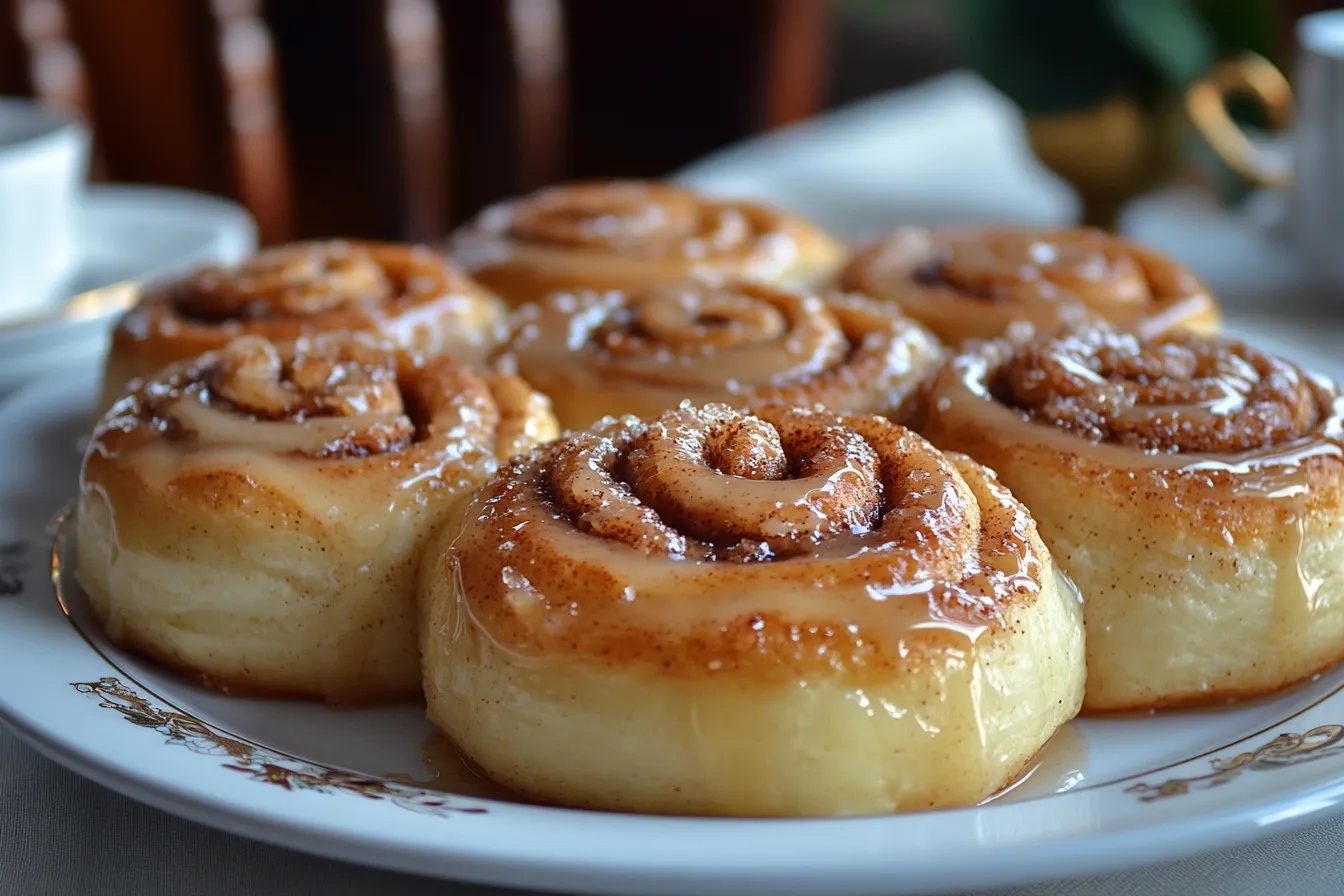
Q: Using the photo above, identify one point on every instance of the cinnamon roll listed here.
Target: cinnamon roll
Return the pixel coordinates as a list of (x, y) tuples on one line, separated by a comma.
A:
[(1192, 486), (645, 351), (797, 613), (405, 293), (255, 517), (629, 234), (971, 283)]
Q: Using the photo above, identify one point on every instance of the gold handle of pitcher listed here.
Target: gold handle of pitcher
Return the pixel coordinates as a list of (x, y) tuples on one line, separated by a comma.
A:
[(1206, 103)]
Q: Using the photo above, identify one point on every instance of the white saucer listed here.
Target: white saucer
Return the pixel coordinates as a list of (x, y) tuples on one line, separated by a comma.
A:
[(127, 233)]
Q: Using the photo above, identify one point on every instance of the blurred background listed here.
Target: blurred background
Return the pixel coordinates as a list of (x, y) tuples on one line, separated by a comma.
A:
[(398, 118)]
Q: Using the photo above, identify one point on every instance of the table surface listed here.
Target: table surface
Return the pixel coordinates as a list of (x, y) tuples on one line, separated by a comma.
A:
[(62, 834)]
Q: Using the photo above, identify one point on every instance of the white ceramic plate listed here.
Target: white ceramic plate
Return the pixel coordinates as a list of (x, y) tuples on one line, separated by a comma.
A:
[(1105, 795)]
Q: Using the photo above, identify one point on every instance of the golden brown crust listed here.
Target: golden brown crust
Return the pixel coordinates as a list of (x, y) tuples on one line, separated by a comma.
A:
[(407, 294), (705, 540), (628, 234), (643, 352), (973, 283)]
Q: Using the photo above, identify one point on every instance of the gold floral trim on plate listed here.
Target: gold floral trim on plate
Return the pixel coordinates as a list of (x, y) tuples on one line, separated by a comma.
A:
[(1283, 751), (260, 763)]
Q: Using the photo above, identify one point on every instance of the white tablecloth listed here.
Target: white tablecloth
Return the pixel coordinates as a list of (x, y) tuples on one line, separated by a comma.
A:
[(952, 146)]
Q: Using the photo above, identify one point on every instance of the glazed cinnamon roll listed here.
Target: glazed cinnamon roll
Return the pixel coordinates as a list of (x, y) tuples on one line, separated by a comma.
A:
[(255, 517), (599, 354), (1192, 486), (971, 283), (405, 293), (631, 234), (709, 612)]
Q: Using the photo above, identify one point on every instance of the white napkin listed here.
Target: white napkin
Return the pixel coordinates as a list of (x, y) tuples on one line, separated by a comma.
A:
[(951, 150)]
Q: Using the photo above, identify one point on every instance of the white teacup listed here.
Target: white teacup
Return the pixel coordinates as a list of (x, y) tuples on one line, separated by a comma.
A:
[(1315, 179), (43, 165)]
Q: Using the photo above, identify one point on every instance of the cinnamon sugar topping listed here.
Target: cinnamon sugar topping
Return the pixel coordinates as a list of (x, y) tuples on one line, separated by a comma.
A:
[(1179, 393), (975, 283), (1005, 265)]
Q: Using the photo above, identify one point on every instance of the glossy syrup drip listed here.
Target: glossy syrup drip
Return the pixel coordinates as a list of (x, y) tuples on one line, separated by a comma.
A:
[(1061, 765), (448, 770), (843, 541)]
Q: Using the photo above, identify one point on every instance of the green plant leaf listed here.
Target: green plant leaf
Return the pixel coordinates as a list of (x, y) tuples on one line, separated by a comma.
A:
[(1239, 25), (1066, 55), (1170, 34)]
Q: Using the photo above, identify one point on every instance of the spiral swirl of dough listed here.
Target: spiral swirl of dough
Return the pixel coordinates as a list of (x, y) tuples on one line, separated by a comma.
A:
[(626, 234), (1176, 393), (626, 520), (1192, 486), (407, 294), (644, 352), (974, 282)]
